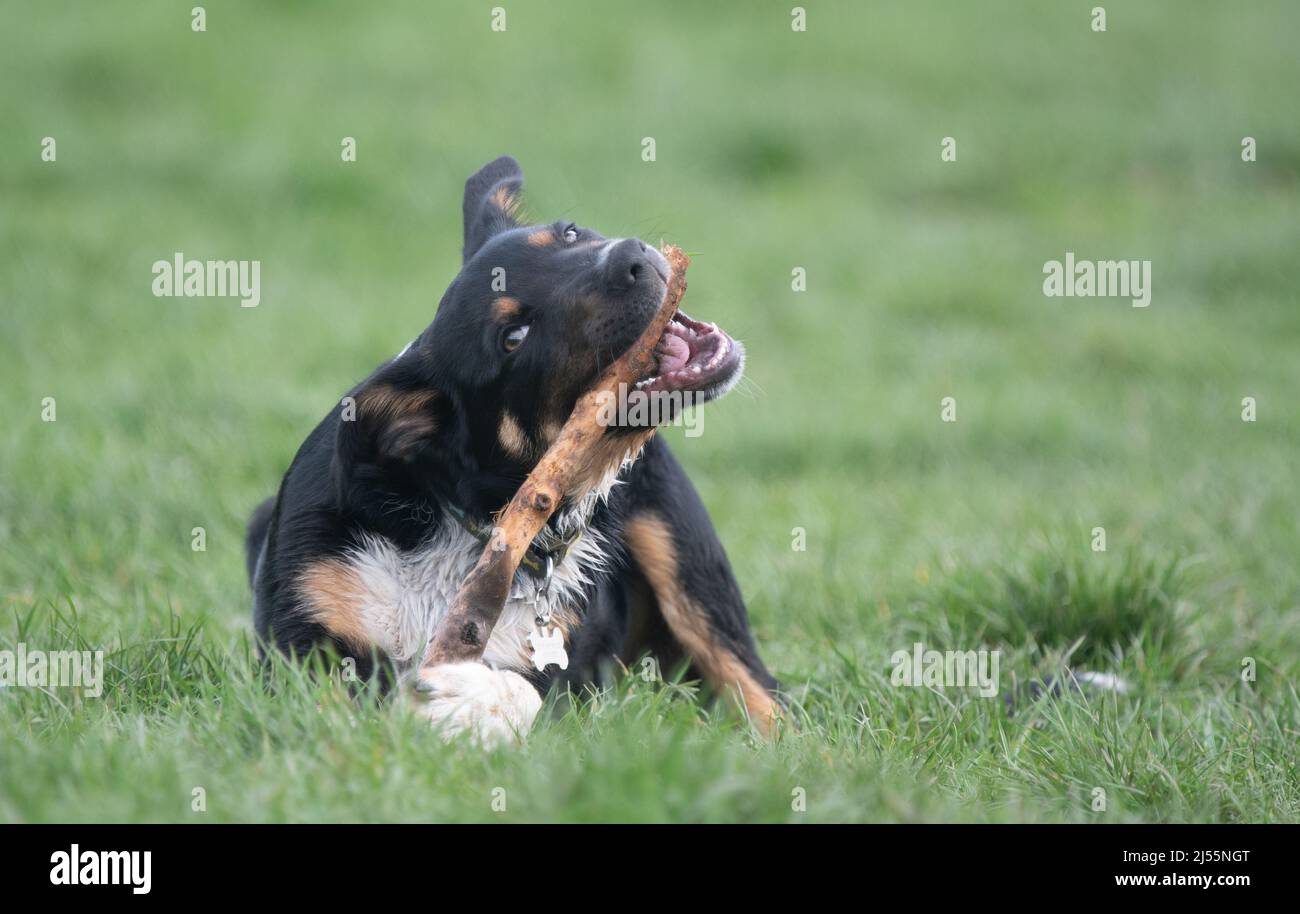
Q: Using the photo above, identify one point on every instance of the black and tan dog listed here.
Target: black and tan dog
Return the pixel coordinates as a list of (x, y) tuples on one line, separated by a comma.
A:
[(384, 508)]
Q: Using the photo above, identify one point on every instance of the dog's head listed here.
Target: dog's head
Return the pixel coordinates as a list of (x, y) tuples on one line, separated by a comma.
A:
[(539, 310), (534, 316)]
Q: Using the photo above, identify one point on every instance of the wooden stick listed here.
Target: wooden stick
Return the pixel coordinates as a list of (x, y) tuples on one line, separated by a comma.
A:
[(462, 634)]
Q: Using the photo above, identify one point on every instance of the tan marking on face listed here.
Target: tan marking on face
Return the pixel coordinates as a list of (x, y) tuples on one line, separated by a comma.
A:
[(651, 544), (550, 431), (542, 238), (505, 309), (513, 438), (332, 594)]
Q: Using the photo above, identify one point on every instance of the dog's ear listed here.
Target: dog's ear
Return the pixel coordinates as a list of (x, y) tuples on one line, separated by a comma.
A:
[(491, 202), (386, 425)]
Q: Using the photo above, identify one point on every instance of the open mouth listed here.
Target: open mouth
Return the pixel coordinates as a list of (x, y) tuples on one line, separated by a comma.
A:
[(694, 356)]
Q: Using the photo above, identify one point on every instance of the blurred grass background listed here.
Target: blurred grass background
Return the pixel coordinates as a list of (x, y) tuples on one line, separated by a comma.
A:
[(775, 150)]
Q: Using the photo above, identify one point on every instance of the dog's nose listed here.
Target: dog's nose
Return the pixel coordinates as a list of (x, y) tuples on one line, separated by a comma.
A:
[(632, 262)]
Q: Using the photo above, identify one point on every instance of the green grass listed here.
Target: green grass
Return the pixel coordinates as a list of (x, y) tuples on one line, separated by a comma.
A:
[(775, 150)]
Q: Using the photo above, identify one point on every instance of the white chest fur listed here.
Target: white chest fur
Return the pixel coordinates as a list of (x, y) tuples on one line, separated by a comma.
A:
[(403, 593)]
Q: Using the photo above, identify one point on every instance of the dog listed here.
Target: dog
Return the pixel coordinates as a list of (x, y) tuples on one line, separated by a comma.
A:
[(389, 501)]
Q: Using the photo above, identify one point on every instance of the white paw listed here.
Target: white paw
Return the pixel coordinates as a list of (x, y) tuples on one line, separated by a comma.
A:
[(495, 706)]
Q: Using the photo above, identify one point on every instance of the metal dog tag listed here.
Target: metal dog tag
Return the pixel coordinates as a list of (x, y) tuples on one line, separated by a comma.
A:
[(547, 640), (548, 647)]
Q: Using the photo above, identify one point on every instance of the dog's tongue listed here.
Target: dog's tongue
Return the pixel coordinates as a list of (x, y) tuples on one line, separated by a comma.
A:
[(674, 352)]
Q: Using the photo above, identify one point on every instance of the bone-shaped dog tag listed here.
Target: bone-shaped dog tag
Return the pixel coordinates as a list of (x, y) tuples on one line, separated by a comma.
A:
[(548, 647)]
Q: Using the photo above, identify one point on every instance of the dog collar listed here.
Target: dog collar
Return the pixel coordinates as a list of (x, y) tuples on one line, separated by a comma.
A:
[(544, 553)]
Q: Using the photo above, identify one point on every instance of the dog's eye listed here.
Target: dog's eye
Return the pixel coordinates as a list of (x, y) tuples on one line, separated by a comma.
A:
[(513, 336), (570, 234)]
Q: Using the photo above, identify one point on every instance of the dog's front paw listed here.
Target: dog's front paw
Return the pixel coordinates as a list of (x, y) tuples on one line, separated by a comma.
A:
[(494, 706)]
